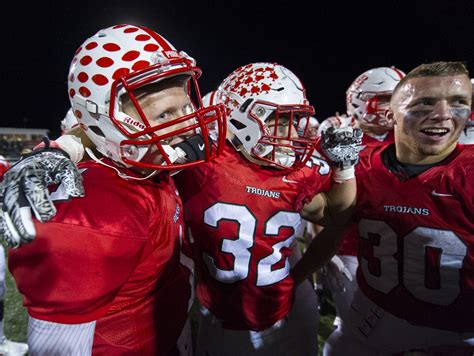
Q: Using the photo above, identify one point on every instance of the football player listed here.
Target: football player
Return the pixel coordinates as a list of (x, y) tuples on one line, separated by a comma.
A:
[(106, 275), (7, 347), (244, 214), (415, 217), (367, 99)]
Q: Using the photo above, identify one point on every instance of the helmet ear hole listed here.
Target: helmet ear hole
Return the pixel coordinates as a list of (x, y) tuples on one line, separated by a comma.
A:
[(237, 124), (245, 105), (96, 130)]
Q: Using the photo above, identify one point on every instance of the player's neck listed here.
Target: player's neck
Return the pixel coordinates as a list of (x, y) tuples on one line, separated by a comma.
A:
[(406, 155)]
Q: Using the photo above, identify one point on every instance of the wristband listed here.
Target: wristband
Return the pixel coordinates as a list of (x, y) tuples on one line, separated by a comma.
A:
[(341, 175), (72, 146)]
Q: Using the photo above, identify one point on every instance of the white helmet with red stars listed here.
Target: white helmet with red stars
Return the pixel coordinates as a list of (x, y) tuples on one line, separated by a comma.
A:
[(114, 63), (369, 94), (261, 93)]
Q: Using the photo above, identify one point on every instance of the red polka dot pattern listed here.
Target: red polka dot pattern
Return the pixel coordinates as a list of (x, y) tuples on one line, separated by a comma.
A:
[(91, 45), (78, 114), (72, 92), (151, 47), (99, 79), (111, 47), (105, 62), (85, 60), (130, 56), (120, 73), (119, 26), (140, 65), (78, 50), (83, 77), (142, 37), (71, 77), (84, 92), (130, 30)]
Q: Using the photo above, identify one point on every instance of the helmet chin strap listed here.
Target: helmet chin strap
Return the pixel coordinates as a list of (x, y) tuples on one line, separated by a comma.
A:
[(120, 174), (189, 150)]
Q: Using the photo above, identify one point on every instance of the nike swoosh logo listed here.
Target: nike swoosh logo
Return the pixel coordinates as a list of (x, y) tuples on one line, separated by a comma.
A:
[(436, 194), (288, 180), (201, 147)]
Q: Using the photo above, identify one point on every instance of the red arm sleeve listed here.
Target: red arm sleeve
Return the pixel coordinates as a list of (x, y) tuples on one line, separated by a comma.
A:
[(73, 277)]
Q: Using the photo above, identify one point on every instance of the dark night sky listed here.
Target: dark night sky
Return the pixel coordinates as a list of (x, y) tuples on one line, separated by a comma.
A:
[(327, 47)]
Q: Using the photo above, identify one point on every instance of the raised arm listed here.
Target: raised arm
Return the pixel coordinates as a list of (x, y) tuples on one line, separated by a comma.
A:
[(332, 209)]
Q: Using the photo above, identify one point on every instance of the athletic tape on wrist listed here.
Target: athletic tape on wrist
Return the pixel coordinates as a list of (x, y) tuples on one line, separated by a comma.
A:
[(342, 175)]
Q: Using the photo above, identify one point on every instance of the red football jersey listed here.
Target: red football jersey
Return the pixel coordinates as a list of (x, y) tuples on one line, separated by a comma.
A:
[(349, 242), (243, 220), (111, 256), (372, 141), (416, 240), (4, 166)]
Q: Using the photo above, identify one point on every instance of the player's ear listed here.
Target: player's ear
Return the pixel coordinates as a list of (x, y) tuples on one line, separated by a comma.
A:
[(390, 117)]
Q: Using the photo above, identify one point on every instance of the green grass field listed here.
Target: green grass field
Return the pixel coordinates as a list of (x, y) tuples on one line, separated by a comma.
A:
[(16, 318)]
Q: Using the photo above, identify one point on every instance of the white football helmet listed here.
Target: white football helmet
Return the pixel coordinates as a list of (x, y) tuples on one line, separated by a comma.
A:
[(209, 99), (261, 93), (369, 94), (69, 122), (336, 121), (115, 62), (467, 135), (311, 124)]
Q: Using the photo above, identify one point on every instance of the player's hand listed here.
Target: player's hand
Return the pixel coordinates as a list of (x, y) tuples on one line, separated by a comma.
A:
[(342, 146), (25, 189)]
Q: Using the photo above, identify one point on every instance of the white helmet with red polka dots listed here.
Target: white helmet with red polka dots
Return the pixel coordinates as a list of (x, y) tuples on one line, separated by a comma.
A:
[(257, 92), (115, 62), (368, 91), (69, 122)]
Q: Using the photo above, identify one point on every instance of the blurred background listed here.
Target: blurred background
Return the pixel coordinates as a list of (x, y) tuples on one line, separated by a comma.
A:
[(327, 44)]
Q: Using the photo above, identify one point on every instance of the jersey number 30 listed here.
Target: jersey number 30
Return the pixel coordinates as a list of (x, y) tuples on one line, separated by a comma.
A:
[(426, 261)]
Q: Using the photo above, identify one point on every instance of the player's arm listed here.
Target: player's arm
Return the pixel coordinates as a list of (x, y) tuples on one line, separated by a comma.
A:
[(25, 187), (334, 208), (333, 211)]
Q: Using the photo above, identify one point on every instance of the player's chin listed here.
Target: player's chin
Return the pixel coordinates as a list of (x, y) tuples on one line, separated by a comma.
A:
[(438, 148)]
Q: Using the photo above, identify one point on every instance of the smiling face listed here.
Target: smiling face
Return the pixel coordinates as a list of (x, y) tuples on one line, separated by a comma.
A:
[(429, 115)]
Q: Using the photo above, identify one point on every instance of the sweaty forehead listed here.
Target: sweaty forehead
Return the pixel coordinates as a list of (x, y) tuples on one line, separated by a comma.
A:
[(435, 87)]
